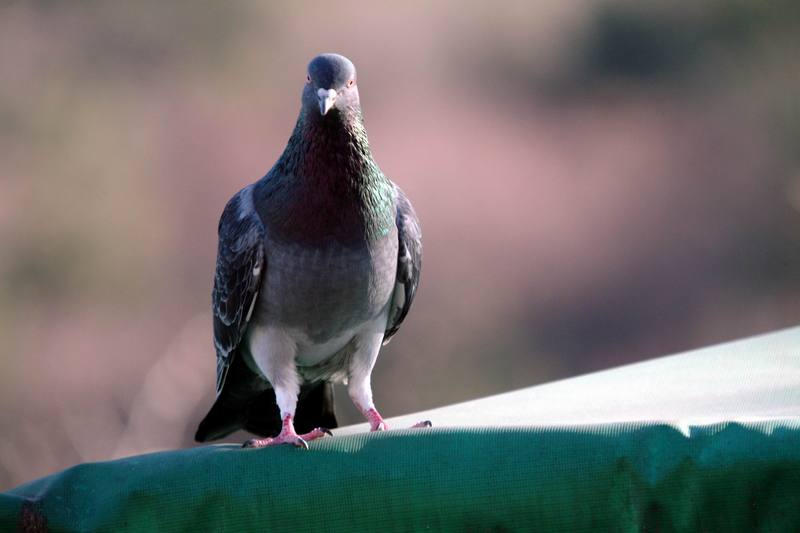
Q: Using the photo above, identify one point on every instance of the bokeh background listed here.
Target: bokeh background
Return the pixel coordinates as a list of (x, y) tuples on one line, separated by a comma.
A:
[(599, 182)]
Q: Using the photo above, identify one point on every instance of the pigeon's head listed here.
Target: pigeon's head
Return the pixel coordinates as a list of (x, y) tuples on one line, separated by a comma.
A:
[(330, 86)]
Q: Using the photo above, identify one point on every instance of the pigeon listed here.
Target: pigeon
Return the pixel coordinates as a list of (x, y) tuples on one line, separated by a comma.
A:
[(317, 267)]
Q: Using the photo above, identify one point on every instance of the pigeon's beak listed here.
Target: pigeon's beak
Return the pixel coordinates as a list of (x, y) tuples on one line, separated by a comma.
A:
[(327, 97)]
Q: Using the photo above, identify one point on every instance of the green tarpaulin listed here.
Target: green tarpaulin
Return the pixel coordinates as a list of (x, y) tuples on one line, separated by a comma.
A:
[(703, 441)]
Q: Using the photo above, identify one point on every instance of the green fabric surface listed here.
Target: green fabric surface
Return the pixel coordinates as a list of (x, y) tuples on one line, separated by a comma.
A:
[(613, 477), (707, 440)]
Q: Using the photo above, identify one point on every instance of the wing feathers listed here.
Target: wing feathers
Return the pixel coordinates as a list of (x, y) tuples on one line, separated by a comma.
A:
[(240, 266), (409, 263)]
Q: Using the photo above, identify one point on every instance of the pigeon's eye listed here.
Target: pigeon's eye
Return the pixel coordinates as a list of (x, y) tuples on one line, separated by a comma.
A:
[(308, 78), (351, 83)]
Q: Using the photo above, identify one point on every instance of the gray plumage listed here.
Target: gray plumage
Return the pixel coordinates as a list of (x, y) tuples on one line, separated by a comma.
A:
[(318, 265)]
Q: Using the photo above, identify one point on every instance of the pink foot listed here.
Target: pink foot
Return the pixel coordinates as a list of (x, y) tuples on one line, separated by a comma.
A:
[(288, 436), (376, 422), (375, 419)]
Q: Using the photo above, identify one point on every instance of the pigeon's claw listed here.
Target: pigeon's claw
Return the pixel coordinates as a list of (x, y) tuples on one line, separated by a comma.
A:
[(296, 441), (288, 436), (376, 422), (257, 443), (316, 434)]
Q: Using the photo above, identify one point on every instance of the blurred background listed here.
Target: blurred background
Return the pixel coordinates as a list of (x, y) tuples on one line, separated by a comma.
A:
[(599, 182)]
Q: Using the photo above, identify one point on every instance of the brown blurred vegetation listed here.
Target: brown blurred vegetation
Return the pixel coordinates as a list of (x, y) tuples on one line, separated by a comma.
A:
[(598, 182)]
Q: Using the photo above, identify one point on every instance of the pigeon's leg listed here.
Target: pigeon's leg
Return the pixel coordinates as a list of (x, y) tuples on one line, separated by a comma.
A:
[(359, 385), (360, 391), (274, 353)]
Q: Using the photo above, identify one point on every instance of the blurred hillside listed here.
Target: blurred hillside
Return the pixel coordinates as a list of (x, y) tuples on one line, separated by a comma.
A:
[(598, 182)]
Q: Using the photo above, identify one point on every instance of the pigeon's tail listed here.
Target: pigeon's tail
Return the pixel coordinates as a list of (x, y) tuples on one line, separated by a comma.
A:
[(220, 421), (259, 414)]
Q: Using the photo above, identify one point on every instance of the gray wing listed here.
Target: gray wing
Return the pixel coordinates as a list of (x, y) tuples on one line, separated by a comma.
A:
[(409, 263), (240, 268)]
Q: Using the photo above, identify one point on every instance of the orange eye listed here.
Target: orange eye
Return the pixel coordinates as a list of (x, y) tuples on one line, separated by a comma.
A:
[(351, 83), (308, 78)]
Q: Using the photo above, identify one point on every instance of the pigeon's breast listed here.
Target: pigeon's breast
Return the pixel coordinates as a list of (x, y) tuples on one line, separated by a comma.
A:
[(327, 291)]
